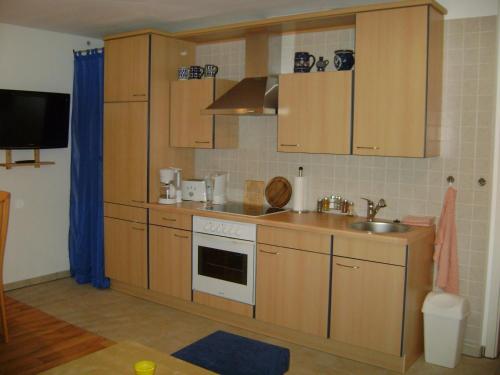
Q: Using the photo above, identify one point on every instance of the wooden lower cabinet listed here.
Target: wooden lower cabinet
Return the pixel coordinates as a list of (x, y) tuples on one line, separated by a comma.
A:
[(367, 304), (170, 261), (125, 254), (292, 289)]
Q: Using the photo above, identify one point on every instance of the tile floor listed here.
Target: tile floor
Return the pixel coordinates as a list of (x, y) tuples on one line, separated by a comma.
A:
[(118, 317)]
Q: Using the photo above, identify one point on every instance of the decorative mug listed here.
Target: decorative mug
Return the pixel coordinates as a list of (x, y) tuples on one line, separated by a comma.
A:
[(183, 73), (302, 62), (196, 72), (211, 70), (321, 64), (344, 59)]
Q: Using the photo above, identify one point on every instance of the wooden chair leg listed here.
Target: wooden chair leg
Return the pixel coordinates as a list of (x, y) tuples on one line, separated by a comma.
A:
[(4, 317)]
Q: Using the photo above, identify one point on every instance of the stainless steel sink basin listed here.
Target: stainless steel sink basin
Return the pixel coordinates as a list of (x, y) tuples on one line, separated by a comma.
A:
[(380, 227)]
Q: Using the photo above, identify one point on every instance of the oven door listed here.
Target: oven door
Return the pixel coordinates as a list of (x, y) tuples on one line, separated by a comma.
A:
[(224, 267)]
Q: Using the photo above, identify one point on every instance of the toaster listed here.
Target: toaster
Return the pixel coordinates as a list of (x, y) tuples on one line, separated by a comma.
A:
[(194, 190)]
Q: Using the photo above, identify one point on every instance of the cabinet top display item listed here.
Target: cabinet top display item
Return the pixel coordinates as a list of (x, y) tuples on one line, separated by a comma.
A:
[(340, 17)]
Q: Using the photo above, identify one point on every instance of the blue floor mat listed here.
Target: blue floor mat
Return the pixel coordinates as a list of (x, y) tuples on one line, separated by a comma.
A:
[(228, 354)]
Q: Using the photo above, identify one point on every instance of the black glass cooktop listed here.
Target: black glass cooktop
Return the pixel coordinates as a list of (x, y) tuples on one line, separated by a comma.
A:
[(243, 209)]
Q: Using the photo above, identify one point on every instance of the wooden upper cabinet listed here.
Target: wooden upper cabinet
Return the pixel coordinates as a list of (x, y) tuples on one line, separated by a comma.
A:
[(393, 64), (292, 289), (367, 304), (314, 114), (190, 128), (125, 153), (126, 69)]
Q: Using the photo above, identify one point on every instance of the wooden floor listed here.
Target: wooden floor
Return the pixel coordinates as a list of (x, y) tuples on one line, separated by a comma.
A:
[(120, 317), (39, 341)]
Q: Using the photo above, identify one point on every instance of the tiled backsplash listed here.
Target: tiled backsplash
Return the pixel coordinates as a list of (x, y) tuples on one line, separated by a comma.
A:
[(409, 186)]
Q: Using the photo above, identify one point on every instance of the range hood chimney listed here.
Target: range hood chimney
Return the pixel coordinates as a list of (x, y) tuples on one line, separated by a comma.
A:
[(257, 94)]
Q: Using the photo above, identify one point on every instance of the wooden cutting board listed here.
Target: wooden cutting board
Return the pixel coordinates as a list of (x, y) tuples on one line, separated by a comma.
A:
[(254, 193), (278, 192)]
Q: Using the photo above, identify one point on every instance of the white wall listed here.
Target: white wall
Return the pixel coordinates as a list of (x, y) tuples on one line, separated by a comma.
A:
[(469, 8), (37, 241)]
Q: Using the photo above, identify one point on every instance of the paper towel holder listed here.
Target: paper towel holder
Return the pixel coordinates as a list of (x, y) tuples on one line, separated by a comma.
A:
[(300, 210)]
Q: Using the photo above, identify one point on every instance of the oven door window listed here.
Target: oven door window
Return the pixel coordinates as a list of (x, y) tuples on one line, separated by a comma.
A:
[(222, 265)]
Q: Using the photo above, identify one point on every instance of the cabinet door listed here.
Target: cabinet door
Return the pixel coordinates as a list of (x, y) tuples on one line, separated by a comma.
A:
[(125, 253), (126, 69), (189, 128), (390, 82), (125, 153), (314, 113), (292, 289), (367, 304), (170, 261)]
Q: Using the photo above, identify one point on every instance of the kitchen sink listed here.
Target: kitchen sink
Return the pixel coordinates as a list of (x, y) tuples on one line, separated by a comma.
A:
[(380, 227)]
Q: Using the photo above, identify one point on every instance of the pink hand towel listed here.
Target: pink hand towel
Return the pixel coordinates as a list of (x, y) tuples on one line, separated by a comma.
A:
[(445, 246)]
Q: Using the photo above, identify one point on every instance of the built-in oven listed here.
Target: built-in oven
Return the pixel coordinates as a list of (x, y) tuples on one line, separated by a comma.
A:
[(224, 258)]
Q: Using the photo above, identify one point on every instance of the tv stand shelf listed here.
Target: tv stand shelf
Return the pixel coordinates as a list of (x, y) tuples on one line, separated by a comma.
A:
[(29, 163)]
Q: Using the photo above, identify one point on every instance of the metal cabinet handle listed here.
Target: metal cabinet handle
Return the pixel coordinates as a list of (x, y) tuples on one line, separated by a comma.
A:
[(289, 145), (168, 219), (269, 252), (346, 266), (202, 142), (179, 236), (136, 201), (138, 94), (141, 229), (368, 147)]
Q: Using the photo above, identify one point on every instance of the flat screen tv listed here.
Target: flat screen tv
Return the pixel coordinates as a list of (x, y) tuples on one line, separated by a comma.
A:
[(31, 120)]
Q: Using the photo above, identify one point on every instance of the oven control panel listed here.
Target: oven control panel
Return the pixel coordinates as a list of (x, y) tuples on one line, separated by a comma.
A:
[(225, 228)]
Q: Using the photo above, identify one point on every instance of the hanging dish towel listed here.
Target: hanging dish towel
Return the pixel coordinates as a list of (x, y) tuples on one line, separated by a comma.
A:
[(445, 247)]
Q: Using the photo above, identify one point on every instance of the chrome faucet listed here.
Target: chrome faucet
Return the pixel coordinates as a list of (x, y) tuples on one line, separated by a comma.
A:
[(372, 210)]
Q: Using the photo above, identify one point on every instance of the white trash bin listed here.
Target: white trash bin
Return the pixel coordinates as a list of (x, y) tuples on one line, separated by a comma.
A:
[(445, 316)]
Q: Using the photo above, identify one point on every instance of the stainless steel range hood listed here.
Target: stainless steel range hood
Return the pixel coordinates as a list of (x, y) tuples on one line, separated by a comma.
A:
[(251, 96), (257, 94)]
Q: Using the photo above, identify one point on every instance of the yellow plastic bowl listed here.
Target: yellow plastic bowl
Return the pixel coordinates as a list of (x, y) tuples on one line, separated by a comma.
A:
[(145, 368)]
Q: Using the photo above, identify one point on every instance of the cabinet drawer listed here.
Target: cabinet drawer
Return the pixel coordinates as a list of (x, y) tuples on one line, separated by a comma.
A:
[(318, 243), (170, 219), (369, 250), (119, 211)]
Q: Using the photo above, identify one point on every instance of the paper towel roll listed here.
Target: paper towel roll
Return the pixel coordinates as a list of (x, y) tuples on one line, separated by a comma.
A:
[(299, 186)]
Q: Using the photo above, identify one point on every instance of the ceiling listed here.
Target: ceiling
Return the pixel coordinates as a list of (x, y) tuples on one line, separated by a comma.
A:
[(97, 18)]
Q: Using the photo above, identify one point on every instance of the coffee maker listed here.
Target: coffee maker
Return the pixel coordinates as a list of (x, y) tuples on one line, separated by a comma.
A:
[(170, 186)]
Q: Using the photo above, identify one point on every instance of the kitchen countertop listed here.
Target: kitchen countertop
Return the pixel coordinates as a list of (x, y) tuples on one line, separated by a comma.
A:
[(311, 221)]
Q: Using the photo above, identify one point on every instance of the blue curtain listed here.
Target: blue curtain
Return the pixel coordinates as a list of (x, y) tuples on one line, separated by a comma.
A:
[(86, 231)]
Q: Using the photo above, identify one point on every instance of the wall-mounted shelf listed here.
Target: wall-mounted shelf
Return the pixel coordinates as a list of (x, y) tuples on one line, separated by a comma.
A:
[(24, 163)]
